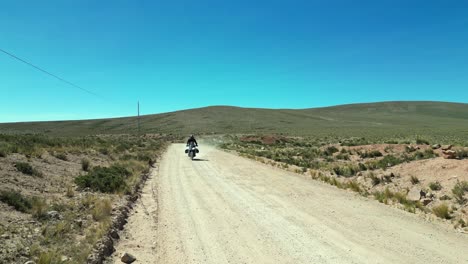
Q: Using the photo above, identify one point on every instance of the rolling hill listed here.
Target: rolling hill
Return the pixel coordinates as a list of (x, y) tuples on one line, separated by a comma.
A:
[(384, 118)]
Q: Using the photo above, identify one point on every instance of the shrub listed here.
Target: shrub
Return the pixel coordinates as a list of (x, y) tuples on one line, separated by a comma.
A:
[(342, 156), (3, 153), (85, 164), (421, 141), (336, 183), (104, 151), (354, 142), (461, 223), (330, 150), (459, 191), (39, 207), (26, 168), (15, 199), (461, 153), (383, 196), (102, 209), (346, 170), (103, 179), (426, 154), (61, 156), (371, 154), (70, 192), (442, 211), (384, 163), (354, 186), (362, 166), (375, 180), (48, 257), (435, 186), (414, 180)]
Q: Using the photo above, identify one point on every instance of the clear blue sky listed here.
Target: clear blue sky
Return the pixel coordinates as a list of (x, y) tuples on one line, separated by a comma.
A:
[(174, 55)]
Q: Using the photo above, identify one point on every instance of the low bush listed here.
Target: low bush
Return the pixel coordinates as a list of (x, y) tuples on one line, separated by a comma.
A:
[(371, 154), (85, 164), (421, 141), (346, 170), (354, 186), (3, 153), (330, 150), (462, 153), (385, 162), (426, 154), (24, 168), (27, 169), (104, 179), (39, 208), (16, 199), (104, 151), (442, 211), (342, 156), (414, 180), (435, 186), (61, 156), (70, 192), (398, 197), (459, 191), (375, 180), (102, 209), (354, 142)]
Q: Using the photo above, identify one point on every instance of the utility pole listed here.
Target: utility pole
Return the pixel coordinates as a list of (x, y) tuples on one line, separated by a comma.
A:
[(138, 119)]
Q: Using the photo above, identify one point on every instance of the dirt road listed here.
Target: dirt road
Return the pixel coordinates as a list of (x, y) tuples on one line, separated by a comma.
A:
[(227, 209)]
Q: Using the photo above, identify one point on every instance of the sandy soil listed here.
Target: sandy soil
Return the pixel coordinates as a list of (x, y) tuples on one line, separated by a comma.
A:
[(227, 209)]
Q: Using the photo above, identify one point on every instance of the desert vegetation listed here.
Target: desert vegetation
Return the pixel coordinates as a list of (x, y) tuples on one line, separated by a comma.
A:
[(57, 194), (376, 168)]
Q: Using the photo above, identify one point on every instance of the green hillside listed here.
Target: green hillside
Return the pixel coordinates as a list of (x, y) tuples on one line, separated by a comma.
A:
[(386, 118)]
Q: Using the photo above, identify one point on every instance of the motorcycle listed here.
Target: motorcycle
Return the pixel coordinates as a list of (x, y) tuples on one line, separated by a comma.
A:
[(192, 150)]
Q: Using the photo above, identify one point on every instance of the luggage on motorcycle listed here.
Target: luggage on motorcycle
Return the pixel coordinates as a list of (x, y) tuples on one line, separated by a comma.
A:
[(186, 151), (197, 150)]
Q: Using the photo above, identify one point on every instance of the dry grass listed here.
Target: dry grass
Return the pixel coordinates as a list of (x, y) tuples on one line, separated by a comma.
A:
[(102, 210), (442, 211)]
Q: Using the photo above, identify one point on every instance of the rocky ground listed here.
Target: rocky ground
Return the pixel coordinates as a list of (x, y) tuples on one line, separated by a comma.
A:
[(45, 217)]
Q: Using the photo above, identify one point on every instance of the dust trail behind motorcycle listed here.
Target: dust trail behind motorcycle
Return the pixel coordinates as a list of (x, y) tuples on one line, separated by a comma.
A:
[(227, 209)]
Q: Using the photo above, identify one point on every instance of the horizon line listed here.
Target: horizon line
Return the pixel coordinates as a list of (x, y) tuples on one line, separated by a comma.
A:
[(233, 106)]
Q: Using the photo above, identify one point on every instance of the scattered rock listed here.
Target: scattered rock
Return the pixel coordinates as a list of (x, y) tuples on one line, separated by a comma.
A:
[(414, 194), (436, 146), (127, 258), (446, 147), (54, 215), (30, 262), (114, 234), (426, 201), (422, 194), (79, 222), (450, 154), (410, 148), (5, 236)]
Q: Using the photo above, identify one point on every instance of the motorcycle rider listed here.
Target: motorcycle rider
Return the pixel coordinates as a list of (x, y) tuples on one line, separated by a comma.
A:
[(192, 139)]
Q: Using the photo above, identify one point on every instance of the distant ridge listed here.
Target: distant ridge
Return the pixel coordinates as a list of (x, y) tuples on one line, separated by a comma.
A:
[(399, 117)]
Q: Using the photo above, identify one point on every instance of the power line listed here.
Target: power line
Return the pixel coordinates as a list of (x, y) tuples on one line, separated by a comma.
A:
[(48, 73)]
